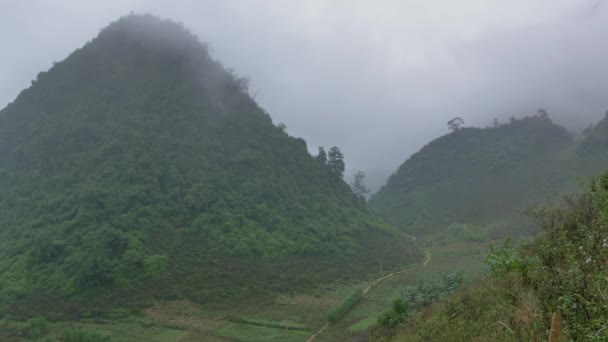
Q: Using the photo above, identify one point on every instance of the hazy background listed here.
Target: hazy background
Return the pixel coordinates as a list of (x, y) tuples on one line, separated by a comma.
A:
[(379, 79)]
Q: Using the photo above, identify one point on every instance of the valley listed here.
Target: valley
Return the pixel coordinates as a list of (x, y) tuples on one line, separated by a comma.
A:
[(145, 195), (287, 317)]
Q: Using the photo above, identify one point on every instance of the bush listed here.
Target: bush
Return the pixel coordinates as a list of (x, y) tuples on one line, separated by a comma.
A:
[(396, 315), (505, 260), (340, 310), (155, 264), (425, 293), (37, 327)]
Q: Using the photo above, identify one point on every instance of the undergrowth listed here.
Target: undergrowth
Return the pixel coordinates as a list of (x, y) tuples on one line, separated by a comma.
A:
[(555, 286)]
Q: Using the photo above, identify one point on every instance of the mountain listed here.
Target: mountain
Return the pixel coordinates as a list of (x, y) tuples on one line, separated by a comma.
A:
[(478, 175), (140, 168)]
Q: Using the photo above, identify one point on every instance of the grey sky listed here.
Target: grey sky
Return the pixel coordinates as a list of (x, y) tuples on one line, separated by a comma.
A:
[(377, 78)]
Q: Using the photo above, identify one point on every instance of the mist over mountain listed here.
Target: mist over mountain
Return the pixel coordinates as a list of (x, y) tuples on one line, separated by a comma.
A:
[(323, 170), (140, 165), (378, 79)]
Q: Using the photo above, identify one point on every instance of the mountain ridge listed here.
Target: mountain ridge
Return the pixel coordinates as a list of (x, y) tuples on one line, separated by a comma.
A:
[(140, 159), (482, 175)]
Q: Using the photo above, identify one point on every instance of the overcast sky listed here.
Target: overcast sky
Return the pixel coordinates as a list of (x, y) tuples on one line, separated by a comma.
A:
[(378, 78)]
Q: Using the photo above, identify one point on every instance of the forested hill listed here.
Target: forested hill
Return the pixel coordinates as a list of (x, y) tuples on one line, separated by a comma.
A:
[(596, 138), (140, 167), (478, 175)]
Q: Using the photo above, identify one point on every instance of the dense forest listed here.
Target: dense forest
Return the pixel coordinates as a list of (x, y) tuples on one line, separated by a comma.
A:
[(139, 168), (496, 173)]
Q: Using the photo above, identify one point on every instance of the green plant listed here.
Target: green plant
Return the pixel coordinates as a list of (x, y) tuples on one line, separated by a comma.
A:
[(339, 311), (556, 285), (505, 259), (37, 327), (427, 292), (83, 336), (396, 315)]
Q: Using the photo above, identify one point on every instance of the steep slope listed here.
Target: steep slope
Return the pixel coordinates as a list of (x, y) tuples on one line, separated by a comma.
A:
[(140, 168), (476, 175)]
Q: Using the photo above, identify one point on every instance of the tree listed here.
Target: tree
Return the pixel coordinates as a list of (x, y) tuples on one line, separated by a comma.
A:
[(542, 113), (322, 156), (282, 126), (358, 186), (336, 162), (455, 124)]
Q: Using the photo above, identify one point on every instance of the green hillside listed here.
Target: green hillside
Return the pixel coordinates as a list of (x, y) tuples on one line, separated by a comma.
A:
[(478, 175), (554, 286), (140, 168)]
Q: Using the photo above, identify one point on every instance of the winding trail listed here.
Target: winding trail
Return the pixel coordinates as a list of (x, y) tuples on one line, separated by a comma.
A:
[(374, 284)]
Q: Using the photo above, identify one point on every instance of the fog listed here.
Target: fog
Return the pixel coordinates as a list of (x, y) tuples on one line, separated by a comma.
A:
[(379, 79)]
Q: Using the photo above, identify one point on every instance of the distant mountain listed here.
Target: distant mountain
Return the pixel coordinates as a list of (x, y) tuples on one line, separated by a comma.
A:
[(480, 175), (140, 168), (596, 137)]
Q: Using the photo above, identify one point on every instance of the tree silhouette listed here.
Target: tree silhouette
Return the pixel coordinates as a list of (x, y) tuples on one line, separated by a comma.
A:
[(455, 124), (358, 186), (336, 162), (322, 156)]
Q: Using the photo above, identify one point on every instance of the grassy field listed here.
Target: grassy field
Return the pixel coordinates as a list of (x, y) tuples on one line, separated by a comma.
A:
[(459, 256), (288, 317)]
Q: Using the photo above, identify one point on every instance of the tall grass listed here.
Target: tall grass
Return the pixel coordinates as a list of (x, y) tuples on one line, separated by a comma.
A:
[(82, 336)]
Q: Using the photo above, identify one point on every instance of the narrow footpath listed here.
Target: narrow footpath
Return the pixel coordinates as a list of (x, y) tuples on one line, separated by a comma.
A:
[(374, 284)]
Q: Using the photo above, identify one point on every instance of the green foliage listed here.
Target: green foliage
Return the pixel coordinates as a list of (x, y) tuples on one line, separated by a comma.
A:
[(83, 336), (427, 292), (140, 167), (37, 327), (573, 278), (596, 138), (477, 176), (255, 333), (396, 315), (505, 260), (339, 311), (155, 264), (562, 273), (335, 162)]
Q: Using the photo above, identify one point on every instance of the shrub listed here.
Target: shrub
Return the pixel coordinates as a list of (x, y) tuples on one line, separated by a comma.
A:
[(505, 259), (396, 315), (340, 310), (425, 293), (37, 327)]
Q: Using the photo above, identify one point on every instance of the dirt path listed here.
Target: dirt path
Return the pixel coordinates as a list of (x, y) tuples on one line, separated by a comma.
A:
[(379, 280), (312, 338), (374, 284)]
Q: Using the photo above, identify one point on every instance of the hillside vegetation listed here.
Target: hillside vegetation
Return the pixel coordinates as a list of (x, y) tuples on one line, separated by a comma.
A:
[(140, 168), (489, 176), (554, 286)]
